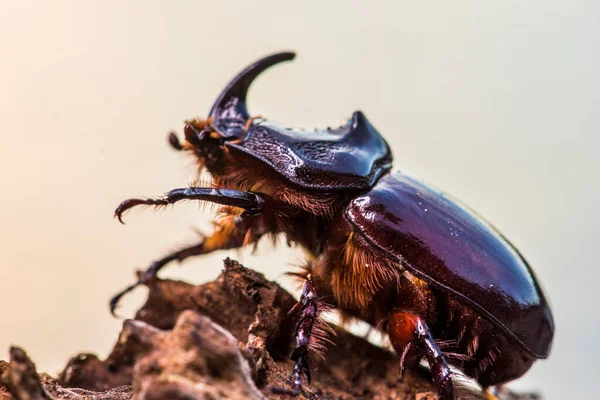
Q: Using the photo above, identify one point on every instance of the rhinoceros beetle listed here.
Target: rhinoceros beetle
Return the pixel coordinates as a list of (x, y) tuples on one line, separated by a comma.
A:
[(386, 248)]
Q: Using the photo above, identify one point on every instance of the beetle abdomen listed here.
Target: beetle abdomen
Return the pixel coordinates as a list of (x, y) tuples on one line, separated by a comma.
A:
[(476, 345), (457, 252)]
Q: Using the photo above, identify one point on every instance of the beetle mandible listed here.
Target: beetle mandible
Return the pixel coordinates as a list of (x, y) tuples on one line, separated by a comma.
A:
[(386, 248)]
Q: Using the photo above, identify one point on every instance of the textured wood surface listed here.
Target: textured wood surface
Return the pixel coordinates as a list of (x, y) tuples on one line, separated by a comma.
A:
[(226, 339)]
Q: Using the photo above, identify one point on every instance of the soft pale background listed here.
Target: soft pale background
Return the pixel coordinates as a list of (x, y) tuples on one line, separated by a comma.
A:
[(496, 103)]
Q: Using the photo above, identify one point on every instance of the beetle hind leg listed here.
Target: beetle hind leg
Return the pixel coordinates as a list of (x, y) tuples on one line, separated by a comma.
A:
[(407, 329)]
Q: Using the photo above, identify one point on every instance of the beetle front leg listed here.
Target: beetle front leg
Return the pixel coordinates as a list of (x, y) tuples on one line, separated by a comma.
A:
[(308, 310), (231, 233), (252, 203), (405, 329)]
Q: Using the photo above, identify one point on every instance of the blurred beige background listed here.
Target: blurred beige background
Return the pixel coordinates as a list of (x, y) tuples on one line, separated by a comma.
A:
[(496, 103)]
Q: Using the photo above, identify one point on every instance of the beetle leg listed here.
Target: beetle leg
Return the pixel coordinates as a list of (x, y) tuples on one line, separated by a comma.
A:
[(156, 266), (251, 202), (406, 328), (308, 311), (231, 233)]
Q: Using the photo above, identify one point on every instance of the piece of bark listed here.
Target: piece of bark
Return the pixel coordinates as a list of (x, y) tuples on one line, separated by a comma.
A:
[(20, 381), (196, 359), (230, 338)]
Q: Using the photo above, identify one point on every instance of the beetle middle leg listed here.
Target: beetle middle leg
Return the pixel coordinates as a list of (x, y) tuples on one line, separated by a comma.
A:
[(308, 333), (156, 266), (230, 235), (406, 329)]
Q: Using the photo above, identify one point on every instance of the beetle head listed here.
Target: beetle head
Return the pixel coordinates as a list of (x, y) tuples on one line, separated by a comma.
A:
[(227, 118), (202, 139), (229, 144)]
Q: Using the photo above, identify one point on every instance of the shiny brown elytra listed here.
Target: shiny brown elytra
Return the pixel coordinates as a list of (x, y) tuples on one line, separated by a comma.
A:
[(385, 248)]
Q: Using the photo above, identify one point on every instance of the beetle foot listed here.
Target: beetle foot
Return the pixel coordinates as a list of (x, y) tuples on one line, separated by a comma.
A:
[(281, 390), (300, 356), (130, 203), (145, 277), (152, 271)]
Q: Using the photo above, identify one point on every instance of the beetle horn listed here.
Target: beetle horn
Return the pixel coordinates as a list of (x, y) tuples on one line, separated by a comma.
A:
[(229, 112), (359, 120)]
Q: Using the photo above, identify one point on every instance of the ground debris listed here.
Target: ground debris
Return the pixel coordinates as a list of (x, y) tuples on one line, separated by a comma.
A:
[(226, 339)]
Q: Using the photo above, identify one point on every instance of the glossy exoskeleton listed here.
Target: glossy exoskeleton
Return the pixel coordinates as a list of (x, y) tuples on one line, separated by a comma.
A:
[(386, 249)]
